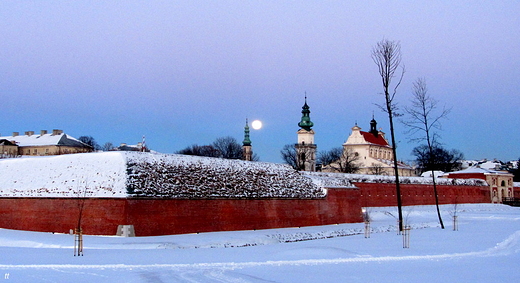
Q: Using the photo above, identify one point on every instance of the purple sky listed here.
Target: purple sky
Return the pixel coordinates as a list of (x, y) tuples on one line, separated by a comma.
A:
[(191, 71)]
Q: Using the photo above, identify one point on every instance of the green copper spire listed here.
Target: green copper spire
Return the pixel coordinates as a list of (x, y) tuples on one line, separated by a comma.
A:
[(247, 141), (306, 123)]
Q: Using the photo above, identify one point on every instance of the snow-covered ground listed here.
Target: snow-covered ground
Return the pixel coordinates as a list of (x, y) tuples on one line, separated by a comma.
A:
[(486, 248)]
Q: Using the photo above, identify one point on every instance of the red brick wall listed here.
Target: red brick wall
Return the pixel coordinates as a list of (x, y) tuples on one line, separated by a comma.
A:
[(152, 217), (382, 194), (61, 214)]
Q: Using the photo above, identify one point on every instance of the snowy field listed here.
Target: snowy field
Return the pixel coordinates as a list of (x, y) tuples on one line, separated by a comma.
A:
[(486, 248)]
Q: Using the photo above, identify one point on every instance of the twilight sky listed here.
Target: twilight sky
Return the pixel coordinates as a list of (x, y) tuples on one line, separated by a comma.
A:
[(186, 72)]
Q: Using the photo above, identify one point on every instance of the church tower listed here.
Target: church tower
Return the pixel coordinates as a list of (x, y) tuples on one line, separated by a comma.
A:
[(305, 148), (373, 127), (247, 152)]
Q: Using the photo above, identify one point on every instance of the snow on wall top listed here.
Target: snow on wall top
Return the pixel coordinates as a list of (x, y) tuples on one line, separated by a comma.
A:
[(330, 180), (336, 179)]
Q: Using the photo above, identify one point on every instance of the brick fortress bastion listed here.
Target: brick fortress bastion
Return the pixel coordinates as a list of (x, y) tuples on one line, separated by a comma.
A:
[(175, 194)]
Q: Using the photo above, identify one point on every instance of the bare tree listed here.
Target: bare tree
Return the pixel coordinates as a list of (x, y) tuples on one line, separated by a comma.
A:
[(424, 118), (225, 147), (326, 157), (81, 194), (200, 150), (338, 159), (387, 56), (437, 158), (289, 155), (228, 147), (377, 169), (348, 162), (90, 141), (107, 146)]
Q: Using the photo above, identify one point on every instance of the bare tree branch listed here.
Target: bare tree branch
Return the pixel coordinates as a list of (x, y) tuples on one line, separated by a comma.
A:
[(338, 159)]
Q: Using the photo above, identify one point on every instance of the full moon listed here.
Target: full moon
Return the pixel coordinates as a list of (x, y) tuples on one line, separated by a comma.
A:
[(256, 124)]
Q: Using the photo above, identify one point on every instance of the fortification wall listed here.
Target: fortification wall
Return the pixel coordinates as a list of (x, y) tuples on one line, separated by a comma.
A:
[(156, 216), (153, 216), (383, 194)]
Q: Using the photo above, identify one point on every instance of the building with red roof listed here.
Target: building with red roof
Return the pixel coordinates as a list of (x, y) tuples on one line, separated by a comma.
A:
[(373, 152)]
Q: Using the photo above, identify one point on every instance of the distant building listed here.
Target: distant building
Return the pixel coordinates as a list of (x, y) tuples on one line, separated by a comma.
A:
[(8, 149), (135, 147), (492, 164), (374, 152), (465, 164), (55, 143), (500, 183)]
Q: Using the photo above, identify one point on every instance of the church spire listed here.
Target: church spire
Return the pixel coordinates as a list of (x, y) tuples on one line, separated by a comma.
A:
[(247, 141), (305, 122), (247, 152), (373, 127)]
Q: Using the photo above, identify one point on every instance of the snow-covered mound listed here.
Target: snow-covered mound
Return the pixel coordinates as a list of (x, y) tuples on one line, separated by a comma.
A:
[(181, 176), (70, 175), (135, 174)]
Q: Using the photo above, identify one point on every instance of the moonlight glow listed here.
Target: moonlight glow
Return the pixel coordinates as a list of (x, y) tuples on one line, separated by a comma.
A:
[(256, 124)]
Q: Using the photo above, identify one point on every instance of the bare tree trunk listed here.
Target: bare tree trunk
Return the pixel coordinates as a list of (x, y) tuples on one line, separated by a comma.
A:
[(387, 56), (437, 200), (423, 119), (430, 148), (78, 231), (396, 172)]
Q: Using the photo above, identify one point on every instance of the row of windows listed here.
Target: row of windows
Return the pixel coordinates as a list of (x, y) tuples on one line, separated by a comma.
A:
[(381, 153), (35, 152), (503, 182)]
